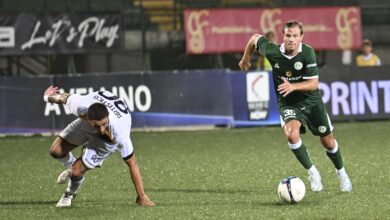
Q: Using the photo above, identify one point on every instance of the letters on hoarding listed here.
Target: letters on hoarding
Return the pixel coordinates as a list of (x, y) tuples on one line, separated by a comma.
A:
[(228, 30), (60, 33)]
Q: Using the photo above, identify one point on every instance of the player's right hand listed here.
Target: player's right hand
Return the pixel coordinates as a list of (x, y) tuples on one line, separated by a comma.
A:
[(244, 64), (51, 90), (144, 201)]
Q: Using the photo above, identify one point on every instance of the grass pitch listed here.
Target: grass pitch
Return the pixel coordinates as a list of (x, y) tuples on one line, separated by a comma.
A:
[(219, 174)]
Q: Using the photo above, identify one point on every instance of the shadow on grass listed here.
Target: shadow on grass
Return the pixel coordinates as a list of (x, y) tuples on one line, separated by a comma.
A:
[(267, 202), (284, 204), (13, 203), (212, 191)]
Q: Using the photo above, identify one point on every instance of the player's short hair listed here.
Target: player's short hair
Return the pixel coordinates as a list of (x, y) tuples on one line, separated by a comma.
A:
[(293, 23), (97, 111), (367, 42)]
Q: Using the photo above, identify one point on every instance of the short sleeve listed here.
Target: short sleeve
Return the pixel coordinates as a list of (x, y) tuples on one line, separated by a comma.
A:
[(76, 105), (266, 47), (126, 147), (311, 65), (261, 45)]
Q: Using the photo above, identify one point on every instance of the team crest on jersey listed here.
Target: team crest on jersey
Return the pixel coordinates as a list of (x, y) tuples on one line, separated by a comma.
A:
[(298, 65), (288, 73), (322, 129)]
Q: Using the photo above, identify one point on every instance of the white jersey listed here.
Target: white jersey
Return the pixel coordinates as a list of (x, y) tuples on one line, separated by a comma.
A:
[(119, 121)]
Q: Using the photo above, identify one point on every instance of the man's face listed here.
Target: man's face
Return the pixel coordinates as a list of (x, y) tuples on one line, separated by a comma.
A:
[(292, 38), (100, 126), (366, 49)]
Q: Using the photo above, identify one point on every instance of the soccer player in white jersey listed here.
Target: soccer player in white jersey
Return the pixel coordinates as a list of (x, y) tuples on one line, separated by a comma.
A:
[(103, 126)]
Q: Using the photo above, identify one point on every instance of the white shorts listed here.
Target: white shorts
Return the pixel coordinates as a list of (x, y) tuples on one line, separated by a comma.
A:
[(92, 159), (78, 132), (95, 150)]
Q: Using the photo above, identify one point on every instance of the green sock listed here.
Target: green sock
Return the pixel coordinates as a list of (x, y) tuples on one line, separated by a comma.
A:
[(336, 159), (303, 156)]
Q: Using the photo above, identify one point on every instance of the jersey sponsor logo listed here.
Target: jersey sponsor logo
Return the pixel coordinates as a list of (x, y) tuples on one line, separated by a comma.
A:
[(288, 73), (292, 79), (311, 65), (322, 129), (298, 65), (276, 66)]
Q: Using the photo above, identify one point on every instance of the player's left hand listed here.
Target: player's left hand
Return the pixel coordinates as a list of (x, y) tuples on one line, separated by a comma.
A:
[(51, 90), (244, 64), (144, 201), (286, 87)]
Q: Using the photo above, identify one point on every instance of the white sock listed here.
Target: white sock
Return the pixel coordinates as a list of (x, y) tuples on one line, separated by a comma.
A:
[(341, 172), (335, 149), (313, 170), (68, 160), (74, 185), (296, 145)]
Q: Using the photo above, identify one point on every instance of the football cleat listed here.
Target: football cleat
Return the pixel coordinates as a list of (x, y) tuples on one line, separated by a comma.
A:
[(345, 182), (66, 200), (63, 177), (315, 182)]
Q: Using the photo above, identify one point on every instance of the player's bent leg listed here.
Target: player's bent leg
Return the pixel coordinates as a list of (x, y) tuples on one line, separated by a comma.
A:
[(291, 131), (61, 150), (76, 180), (334, 154)]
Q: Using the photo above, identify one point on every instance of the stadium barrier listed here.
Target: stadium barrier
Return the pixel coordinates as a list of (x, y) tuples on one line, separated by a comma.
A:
[(191, 98)]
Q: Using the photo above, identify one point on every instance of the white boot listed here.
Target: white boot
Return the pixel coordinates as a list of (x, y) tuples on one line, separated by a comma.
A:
[(315, 179), (66, 200), (345, 182), (63, 177)]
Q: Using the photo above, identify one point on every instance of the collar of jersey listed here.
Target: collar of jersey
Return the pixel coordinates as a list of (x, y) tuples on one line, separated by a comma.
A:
[(367, 57), (282, 50)]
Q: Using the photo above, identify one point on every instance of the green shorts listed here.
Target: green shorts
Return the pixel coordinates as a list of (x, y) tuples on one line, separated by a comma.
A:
[(315, 117)]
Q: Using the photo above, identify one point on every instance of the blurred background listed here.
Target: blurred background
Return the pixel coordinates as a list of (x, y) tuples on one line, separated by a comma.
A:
[(175, 62), (154, 35)]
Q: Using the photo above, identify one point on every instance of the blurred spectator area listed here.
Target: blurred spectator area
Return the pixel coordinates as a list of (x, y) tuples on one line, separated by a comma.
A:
[(167, 14), (154, 37)]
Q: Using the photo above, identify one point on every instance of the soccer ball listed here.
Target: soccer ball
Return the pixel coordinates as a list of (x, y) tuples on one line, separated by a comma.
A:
[(291, 189)]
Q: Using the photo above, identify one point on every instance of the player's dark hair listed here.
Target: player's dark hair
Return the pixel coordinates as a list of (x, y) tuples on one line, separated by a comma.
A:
[(293, 23), (97, 111), (367, 42)]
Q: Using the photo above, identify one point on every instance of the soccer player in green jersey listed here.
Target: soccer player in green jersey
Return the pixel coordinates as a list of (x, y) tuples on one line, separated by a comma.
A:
[(295, 76)]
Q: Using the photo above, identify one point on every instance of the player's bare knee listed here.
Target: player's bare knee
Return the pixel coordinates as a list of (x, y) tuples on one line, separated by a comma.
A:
[(293, 137), (56, 151), (78, 169), (329, 142), (60, 148), (75, 172)]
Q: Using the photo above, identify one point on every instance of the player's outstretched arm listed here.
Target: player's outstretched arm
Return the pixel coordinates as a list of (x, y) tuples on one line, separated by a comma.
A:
[(142, 198), (53, 95), (245, 62)]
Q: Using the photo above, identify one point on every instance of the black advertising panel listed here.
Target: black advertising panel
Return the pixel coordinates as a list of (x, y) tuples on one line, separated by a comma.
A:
[(28, 33), (155, 100)]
